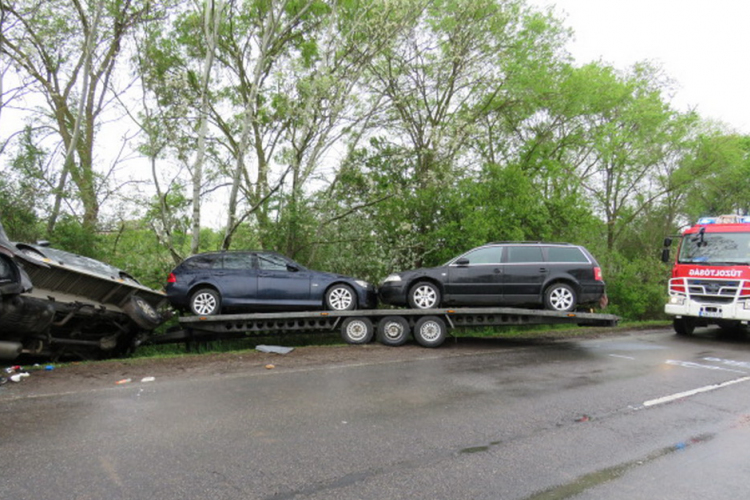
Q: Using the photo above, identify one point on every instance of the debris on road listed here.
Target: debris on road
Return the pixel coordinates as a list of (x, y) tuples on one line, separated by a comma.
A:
[(276, 349)]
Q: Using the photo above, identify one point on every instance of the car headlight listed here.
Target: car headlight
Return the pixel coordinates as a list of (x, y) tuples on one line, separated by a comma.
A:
[(392, 278), (361, 283), (677, 300)]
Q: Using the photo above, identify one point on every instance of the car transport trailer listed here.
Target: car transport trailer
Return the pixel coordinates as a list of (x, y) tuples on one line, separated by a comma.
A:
[(392, 327)]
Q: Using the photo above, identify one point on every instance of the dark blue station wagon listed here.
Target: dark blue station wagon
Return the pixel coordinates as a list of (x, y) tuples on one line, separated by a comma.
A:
[(216, 282)]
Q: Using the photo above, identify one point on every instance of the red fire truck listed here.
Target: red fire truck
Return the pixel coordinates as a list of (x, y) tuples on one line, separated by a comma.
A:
[(710, 281)]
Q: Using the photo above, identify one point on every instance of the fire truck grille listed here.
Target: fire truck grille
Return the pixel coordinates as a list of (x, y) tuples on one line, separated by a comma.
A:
[(713, 291)]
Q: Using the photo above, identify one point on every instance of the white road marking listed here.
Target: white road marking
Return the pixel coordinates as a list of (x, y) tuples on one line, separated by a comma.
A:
[(681, 395), (621, 356), (729, 362), (690, 364)]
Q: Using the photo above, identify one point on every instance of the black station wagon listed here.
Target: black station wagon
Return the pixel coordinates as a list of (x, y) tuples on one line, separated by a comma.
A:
[(557, 276)]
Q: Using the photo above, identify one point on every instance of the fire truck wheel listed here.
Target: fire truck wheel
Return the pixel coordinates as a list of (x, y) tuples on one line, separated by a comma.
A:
[(684, 326)]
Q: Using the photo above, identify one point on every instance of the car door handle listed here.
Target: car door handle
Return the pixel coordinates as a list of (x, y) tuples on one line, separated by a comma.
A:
[(497, 271), (543, 270)]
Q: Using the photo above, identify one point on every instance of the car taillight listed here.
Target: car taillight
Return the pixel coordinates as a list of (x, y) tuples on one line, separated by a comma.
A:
[(598, 274), (172, 278)]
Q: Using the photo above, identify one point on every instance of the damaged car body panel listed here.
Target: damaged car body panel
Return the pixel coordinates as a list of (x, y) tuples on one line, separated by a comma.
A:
[(54, 303)]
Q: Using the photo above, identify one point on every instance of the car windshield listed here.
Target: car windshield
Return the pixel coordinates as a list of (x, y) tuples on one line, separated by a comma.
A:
[(79, 261), (482, 255), (715, 248)]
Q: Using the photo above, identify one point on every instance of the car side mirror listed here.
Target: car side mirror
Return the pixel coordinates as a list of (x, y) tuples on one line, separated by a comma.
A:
[(291, 268), (665, 255), (667, 242), (462, 262)]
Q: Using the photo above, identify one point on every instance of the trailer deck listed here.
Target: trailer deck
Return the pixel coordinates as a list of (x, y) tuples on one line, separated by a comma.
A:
[(392, 326)]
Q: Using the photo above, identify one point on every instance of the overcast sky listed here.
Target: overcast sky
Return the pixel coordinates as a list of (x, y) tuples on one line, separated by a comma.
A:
[(702, 44)]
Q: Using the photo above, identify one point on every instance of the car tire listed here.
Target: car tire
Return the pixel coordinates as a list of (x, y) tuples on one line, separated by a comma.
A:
[(205, 302), (430, 331), (341, 298), (424, 295), (142, 313), (393, 331), (683, 326), (357, 331), (560, 297)]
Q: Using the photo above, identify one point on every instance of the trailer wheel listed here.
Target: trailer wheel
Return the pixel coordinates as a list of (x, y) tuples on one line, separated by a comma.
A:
[(357, 331), (393, 330), (683, 326), (430, 331)]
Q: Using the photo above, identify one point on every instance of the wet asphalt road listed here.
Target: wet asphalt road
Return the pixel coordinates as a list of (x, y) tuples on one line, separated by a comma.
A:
[(650, 415)]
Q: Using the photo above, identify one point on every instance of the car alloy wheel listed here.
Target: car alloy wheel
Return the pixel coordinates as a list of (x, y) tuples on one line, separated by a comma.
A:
[(560, 297), (205, 302), (340, 298), (424, 296)]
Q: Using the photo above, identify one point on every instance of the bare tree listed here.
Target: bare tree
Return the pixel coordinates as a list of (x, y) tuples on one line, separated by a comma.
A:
[(68, 50)]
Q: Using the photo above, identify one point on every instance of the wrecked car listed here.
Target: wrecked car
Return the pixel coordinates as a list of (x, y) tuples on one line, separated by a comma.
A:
[(55, 303)]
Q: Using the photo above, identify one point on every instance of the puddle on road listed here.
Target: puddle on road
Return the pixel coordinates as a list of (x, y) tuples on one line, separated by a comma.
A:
[(624, 346), (603, 476), (479, 449)]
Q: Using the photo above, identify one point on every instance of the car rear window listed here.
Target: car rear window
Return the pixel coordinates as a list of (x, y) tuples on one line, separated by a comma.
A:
[(565, 254), (239, 261), (201, 262), (523, 254)]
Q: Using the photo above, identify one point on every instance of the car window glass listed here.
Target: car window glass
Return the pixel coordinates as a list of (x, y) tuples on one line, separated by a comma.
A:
[(5, 272), (485, 255), (201, 262), (271, 262), (238, 261), (522, 254), (86, 263), (565, 254)]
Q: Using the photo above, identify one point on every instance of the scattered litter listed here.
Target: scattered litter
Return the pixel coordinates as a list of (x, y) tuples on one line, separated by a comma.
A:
[(277, 349), (270, 366), (49, 368), (15, 374), (124, 381), (584, 418), (148, 379)]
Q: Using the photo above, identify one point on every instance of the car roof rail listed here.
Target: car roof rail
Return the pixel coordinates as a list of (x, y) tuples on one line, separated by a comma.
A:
[(528, 243)]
